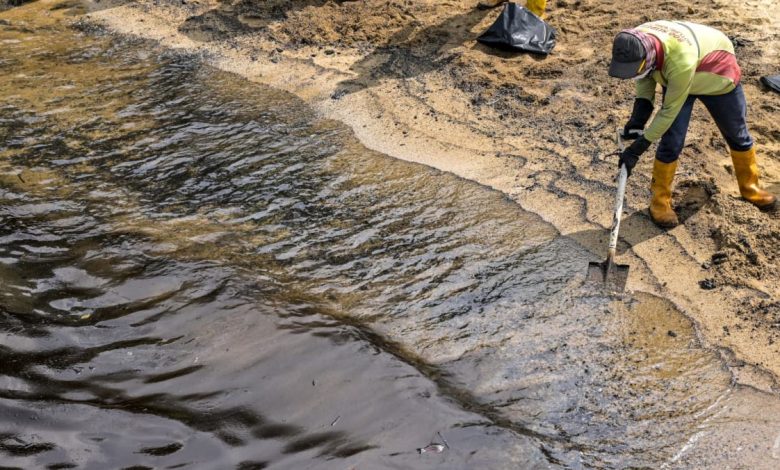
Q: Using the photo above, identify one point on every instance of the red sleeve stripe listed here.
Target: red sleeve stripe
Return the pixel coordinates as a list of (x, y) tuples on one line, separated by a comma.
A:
[(721, 63)]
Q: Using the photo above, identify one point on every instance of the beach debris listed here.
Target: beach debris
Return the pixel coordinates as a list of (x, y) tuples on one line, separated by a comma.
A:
[(772, 82), (335, 420), (707, 284), (432, 448), (518, 29), (435, 447)]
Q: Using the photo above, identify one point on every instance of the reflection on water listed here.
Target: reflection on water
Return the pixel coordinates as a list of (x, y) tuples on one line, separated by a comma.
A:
[(199, 273)]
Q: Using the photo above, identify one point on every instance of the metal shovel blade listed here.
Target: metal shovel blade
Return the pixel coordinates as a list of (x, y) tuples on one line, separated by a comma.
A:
[(613, 276)]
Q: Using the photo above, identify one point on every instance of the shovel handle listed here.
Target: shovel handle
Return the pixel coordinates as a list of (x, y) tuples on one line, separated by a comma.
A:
[(621, 191)]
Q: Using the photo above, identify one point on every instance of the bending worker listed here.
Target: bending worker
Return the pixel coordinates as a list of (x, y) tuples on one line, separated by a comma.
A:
[(691, 62)]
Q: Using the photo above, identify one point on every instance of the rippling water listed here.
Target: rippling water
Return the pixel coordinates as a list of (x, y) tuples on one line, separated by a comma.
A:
[(198, 272)]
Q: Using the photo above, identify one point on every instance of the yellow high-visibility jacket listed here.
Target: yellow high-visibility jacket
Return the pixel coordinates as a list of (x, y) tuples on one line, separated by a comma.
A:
[(694, 60)]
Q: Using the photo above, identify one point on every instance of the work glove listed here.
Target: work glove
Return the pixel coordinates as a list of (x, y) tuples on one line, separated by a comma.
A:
[(631, 155), (641, 113)]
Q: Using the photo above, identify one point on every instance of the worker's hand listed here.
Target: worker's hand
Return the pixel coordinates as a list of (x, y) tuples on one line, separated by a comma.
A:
[(631, 155), (641, 113)]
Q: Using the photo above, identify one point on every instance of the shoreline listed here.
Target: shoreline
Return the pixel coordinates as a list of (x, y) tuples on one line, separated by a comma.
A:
[(423, 119)]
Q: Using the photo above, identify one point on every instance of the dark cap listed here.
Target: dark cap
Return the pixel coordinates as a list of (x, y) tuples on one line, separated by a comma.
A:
[(627, 56)]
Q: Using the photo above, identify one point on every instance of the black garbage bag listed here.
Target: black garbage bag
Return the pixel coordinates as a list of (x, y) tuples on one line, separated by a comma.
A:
[(773, 82), (518, 29)]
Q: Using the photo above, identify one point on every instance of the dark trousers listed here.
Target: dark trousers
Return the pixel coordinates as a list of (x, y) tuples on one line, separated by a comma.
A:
[(729, 112)]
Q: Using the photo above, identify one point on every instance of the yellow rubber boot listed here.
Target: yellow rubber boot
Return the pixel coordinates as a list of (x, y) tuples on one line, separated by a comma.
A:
[(536, 7), (661, 205), (747, 176)]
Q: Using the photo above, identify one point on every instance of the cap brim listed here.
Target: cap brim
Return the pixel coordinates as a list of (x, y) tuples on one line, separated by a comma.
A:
[(624, 69)]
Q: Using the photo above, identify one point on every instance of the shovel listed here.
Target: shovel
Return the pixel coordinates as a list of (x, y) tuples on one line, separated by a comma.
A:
[(613, 275)]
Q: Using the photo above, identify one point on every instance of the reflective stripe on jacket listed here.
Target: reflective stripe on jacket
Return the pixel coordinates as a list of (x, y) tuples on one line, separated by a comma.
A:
[(694, 60)]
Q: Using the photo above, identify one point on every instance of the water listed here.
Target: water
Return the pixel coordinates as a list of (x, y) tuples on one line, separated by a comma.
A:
[(198, 272)]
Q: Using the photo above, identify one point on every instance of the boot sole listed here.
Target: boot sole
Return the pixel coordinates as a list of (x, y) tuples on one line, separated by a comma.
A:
[(665, 224), (769, 207)]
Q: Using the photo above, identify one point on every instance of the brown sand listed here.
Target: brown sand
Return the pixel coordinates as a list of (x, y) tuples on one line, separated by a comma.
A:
[(411, 81)]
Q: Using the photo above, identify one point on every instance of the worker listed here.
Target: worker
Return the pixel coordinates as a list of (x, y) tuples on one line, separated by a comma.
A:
[(691, 62), (536, 7)]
